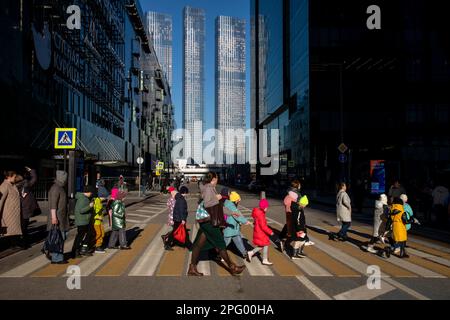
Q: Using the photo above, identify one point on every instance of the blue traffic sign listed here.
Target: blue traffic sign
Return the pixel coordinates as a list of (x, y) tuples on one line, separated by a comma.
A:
[(65, 138), (342, 158)]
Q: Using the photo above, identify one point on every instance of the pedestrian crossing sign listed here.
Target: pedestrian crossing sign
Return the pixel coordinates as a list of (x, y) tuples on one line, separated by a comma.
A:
[(65, 138)]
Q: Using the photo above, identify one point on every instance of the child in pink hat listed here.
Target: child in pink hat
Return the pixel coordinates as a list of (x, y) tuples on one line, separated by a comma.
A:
[(261, 232)]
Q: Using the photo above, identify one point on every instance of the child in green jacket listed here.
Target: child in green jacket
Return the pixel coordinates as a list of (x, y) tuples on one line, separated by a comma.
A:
[(118, 221)]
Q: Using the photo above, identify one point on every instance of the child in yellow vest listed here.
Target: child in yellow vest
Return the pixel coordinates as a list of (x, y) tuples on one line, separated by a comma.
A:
[(99, 212)]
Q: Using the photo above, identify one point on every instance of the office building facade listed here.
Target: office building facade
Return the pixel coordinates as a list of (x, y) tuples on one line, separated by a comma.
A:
[(230, 84), (160, 31), (324, 78), (193, 80), (89, 79)]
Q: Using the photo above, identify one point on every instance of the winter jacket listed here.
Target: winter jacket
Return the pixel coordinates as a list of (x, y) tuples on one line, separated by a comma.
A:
[(170, 207), (409, 215), (287, 203), (261, 231), (118, 215), (343, 207), (98, 212), (180, 211), (398, 227), (233, 223), (28, 202), (298, 220), (10, 217), (57, 199), (209, 195), (83, 212)]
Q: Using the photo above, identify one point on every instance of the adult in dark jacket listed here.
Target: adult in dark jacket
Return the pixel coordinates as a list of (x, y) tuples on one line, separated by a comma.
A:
[(83, 217), (180, 214), (58, 215), (28, 204)]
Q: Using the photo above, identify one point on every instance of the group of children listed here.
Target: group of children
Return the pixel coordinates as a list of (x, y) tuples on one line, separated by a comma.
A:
[(234, 219), (90, 209), (391, 225)]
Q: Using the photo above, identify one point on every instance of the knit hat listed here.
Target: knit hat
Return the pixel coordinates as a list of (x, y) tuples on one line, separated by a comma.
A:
[(171, 189), (61, 177), (293, 195), (404, 197), (263, 204), (114, 193), (184, 190), (234, 196), (384, 199)]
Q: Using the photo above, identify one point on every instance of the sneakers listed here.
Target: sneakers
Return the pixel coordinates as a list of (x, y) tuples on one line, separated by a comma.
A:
[(249, 256), (397, 251), (267, 263), (99, 250), (309, 243), (113, 248), (125, 248), (371, 249), (60, 262)]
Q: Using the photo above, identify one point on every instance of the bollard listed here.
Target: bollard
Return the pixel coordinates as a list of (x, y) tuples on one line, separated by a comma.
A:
[(262, 195)]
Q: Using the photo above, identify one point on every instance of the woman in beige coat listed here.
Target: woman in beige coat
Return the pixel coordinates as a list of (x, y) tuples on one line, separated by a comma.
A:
[(343, 212), (10, 207)]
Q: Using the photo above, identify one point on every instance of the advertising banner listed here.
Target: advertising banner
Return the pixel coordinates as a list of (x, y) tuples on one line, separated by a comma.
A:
[(377, 176)]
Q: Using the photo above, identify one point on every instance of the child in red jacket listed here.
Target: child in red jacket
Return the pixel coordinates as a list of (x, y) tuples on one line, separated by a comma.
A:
[(261, 232)]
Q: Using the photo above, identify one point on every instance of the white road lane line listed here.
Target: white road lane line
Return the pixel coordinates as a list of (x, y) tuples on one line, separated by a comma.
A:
[(313, 288), (364, 293), (137, 215), (428, 256), (150, 259), (421, 271)]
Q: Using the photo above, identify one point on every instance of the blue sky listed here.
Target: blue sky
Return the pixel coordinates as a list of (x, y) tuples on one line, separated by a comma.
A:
[(213, 8)]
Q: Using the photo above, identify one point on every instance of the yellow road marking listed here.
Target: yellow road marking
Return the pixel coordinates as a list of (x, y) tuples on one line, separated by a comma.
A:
[(123, 259)]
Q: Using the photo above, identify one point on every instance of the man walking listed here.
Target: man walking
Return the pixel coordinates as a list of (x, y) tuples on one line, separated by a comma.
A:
[(58, 215)]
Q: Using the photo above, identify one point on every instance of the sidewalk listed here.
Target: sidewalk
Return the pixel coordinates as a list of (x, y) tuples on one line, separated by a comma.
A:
[(367, 217)]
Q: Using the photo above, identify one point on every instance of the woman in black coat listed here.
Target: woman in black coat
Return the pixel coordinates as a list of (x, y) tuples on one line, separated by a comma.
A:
[(28, 204)]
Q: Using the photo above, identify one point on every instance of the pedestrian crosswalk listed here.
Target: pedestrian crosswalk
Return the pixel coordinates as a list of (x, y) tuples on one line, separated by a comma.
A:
[(147, 258)]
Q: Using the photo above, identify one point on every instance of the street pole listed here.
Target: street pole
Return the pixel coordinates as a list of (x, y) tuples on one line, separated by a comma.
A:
[(140, 180), (65, 159)]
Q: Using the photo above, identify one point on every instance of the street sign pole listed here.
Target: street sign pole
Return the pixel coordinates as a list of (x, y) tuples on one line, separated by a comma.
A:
[(65, 160), (140, 161), (140, 180)]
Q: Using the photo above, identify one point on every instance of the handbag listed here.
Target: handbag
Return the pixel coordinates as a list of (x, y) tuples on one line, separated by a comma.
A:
[(180, 234), (54, 242), (216, 214)]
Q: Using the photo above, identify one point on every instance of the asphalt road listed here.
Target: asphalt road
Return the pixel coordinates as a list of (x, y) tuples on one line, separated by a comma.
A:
[(331, 270)]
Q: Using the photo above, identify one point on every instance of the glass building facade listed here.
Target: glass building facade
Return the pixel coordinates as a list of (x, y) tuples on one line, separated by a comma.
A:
[(323, 78), (160, 31), (193, 80), (90, 79), (230, 86)]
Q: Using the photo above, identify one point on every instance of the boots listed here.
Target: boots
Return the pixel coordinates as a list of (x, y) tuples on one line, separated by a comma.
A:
[(234, 269), (193, 271)]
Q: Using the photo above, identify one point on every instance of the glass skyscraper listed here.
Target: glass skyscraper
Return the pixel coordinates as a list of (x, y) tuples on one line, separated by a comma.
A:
[(193, 80), (230, 87), (323, 78), (160, 30)]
